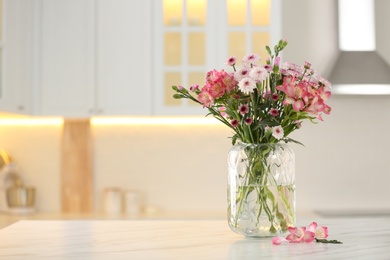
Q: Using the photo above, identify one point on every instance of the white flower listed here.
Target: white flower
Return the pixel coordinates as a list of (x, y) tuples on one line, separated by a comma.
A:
[(251, 58), (241, 73), (277, 132), (258, 73), (246, 85)]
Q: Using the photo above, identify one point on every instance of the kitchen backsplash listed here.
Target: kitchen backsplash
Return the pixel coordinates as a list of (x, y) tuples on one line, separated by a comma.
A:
[(182, 168)]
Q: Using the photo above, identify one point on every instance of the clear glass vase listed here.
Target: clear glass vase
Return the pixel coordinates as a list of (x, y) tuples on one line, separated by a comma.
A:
[(261, 189)]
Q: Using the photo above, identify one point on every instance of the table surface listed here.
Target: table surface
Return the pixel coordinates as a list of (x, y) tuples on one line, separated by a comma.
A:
[(363, 238)]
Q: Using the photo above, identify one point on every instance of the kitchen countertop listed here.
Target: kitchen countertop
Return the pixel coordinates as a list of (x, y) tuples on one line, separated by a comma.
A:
[(363, 238)]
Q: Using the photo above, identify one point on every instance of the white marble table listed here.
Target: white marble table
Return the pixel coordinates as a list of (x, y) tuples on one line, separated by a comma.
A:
[(363, 238)]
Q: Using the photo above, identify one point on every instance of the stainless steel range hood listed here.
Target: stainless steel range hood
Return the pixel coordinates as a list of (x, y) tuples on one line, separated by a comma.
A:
[(359, 68), (360, 72)]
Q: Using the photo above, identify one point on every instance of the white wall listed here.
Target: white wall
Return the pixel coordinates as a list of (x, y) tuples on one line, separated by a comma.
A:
[(310, 28), (36, 150), (344, 166)]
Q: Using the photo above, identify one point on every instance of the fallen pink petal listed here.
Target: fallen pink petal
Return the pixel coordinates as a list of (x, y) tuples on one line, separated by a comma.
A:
[(303, 234), (279, 240)]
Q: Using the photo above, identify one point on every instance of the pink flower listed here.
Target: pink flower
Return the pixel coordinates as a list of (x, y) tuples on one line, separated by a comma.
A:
[(320, 233), (194, 87), (212, 76), (243, 109), (251, 58), (231, 61), (277, 61), (298, 123), (205, 98), (302, 234), (277, 132), (279, 240), (275, 97), (273, 112), (258, 73), (229, 81), (217, 89), (268, 67), (222, 111), (241, 73), (180, 87), (247, 85), (248, 120), (234, 122)]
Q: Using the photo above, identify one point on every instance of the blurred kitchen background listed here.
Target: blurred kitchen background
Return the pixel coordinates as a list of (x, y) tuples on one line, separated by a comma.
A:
[(86, 107)]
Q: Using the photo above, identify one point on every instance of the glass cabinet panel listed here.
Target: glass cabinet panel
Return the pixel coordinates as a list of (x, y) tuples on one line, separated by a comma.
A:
[(172, 51), (184, 46), (249, 27), (196, 48), (259, 40), (172, 12), (236, 12), (171, 78), (196, 12), (195, 36), (237, 44), (260, 12)]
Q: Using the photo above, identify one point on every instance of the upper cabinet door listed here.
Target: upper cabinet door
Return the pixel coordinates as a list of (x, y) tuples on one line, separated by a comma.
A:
[(66, 58), (15, 56), (124, 54), (196, 36)]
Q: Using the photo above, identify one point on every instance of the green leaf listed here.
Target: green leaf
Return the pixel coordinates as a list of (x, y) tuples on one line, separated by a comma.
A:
[(178, 96), (326, 241), (175, 88), (288, 139), (268, 50), (270, 196)]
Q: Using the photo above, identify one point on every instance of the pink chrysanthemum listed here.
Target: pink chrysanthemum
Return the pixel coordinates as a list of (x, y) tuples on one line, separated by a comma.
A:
[(243, 109), (247, 85), (234, 122), (231, 61), (251, 58), (258, 73), (248, 120), (275, 97), (241, 73), (273, 112), (277, 132)]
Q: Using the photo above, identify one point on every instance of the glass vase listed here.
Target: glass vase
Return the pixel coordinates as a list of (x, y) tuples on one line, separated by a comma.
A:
[(261, 189)]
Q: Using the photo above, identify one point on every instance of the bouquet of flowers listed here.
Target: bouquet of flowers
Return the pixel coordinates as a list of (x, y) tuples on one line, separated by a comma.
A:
[(263, 105)]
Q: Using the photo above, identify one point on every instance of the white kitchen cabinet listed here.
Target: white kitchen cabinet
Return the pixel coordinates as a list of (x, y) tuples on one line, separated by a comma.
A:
[(16, 70), (124, 52), (66, 58), (195, 36), (94, 58)]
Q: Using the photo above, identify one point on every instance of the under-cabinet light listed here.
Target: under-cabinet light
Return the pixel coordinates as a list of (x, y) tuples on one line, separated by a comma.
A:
[(31, 121), (154, 121)]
